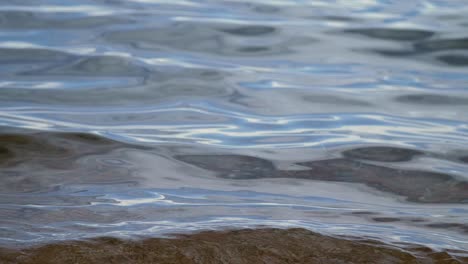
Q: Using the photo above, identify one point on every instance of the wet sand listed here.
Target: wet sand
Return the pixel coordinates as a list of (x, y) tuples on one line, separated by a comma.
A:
[(247, 246)]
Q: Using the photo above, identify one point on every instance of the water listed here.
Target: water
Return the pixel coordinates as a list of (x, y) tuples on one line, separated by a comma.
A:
[(146, 117)]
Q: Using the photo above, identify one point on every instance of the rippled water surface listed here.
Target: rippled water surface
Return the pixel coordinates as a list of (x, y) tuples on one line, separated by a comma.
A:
[(147, 117)]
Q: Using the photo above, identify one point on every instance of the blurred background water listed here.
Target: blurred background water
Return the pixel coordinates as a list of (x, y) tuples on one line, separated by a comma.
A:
[(149, 117)]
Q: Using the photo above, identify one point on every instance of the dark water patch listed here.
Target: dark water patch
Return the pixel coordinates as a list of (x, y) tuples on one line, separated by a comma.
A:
[(464, 159), (454, 60), (152, 86), (339, 18), (250, 31), (265, 9), (207, 39), (394, 52), (441, 45), (417, 220), (431, 99), (417, 186), (188, 90), (86, 137), (193, 75), (335, 18), (240, 246), (32, 55), (426, 47), (14, 20), (412, 221), (253, 49), (151, 93), (257, 7), (434, 51), (385, 154), (232, 166), (393, 33), (334, 100), (364, 213), (386, 219), (454, 226), (5, 154), (98, 66)]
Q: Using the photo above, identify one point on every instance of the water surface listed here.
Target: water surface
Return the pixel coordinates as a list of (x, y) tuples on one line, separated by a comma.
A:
[(145, 117)]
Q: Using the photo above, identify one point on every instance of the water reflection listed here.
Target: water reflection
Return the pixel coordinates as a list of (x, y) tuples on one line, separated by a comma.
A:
[(443, 50), (32, 55), (393, 33), (80, 185), (256, 40), (30, 20), (98, 66), (128, 118)]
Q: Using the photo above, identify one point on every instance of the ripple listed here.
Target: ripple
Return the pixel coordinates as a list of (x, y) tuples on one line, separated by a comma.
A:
[(232, 166), (333, 100), (386, 154), (443, 50), (140, 85), (441, 45), (31, 55), (432, 99), (250, 31), (16, 19), (241, 130), (99, 66), (197, 37), (393, 33), (454, 60)]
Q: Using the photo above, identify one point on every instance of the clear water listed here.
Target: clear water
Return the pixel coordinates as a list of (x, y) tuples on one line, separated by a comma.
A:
[(148, 117)]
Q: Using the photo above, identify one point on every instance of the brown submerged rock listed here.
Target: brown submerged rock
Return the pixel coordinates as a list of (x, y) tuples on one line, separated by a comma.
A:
[(32, 161), (416, 185), (26, 147), (235, 247)]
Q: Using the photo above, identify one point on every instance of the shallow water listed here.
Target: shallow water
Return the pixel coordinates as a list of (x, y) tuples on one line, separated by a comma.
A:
[(146, 117), (261, 245)]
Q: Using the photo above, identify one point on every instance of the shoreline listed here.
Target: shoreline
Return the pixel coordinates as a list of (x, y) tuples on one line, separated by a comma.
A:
[(263, 245)]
